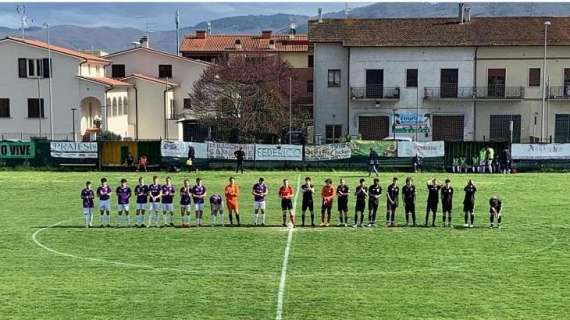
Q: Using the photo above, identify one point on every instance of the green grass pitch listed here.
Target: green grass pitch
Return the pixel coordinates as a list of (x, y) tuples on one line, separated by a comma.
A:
[(521, 271)]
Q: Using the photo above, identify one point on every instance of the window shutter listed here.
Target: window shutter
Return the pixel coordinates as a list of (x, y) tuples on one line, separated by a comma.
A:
[(22, 68), (46, 68), (42, 114)]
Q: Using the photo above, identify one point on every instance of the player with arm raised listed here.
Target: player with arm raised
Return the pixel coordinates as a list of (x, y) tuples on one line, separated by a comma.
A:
[(198, 195), (141, 191), (361, 194), (123, 195), (342, 191), (231, 192), (392, 198), (155, 192), (307, 189), (87, 196), (469, 204), (327, 193), (167, 198), (259, 191), (185, 201), (104, 193), (447, 202), (433, 187), (409, 198), (286, 193), (374, 192)]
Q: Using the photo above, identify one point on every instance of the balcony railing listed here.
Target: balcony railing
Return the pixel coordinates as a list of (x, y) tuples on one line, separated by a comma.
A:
[(375, 92), (448, 92), (559, 93), (499, 92)]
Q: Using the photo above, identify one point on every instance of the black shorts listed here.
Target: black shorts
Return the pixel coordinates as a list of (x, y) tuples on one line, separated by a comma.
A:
[(468, 207), (360, 206), (431, 206), (391, 206), (446, 207), (372, 206), (342, 204), (410, 207), (286, 204), (307, 205), (326, 208)]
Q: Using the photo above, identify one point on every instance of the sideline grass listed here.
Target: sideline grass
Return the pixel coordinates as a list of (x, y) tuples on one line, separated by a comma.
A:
[(518, 272)]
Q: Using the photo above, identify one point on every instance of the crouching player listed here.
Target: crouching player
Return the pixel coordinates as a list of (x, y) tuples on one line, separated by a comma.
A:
[(286, 194), (198, 195), (123, 195), (469, 204), (495, 211), (141, 190), (87, 195), (217, 207), (104, 194), (185, 194)]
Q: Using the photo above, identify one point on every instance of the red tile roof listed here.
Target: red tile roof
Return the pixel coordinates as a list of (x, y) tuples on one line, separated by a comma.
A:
[(249, 43), (148, 78), (484, 31), (70, 52), (106, 81)]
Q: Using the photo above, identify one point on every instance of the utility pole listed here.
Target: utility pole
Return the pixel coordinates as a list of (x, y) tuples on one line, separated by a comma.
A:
[(73, 123), (50, 85), (542, 134), (290, 112)]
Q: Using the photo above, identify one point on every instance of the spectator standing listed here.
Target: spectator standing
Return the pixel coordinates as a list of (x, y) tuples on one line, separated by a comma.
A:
[(240, 155), (372, 162)]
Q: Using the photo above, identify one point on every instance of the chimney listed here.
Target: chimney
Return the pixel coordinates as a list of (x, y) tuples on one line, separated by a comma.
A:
[(272, 44), (468, 14), (238, 44), (266, 34), (144, 42), (209, 27), (292, 30), (201, 34), (320, 15), (461, 6)]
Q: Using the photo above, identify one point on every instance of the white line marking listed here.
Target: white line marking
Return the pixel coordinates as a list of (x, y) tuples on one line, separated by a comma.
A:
[(125, 264), (281, 291)]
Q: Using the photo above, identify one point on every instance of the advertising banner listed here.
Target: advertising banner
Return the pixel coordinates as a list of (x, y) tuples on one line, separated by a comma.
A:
[(17, 150), (226, 150), (407, 122), (179, 149), (334, 151), (75, 150), (540, 151), (422, 149), (361, 148), (281, 152)]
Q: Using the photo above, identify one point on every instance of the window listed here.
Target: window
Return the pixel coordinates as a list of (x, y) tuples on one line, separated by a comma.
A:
[(449, 80), (187, 103), (412, 78), (165, 71), (534, 77), (125, 106), (333, 133), (35, 108), (310, 61), (33, 68), (97, 70), (334, 78), (4, 108), (310, 87), (114, 107), (170, 114), (120, 110), (118, 71), (499, 127)]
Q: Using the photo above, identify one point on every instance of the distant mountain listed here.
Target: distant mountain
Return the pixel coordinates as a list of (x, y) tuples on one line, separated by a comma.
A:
[(114, 39)]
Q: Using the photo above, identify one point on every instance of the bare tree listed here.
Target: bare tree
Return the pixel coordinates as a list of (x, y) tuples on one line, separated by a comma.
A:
[(244, 96)]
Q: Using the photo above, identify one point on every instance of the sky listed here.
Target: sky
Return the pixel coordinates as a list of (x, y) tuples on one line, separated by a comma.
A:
[(155, 16)]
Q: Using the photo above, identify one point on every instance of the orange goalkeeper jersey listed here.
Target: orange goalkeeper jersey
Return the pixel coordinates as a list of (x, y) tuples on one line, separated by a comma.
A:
[(232, 193)]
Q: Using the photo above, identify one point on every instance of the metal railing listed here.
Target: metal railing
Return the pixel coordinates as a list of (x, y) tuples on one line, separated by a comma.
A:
[(448, 92), (499, 92), (560, 92), (375, 92)]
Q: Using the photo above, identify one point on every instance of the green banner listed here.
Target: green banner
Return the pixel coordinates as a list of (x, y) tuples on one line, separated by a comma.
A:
[(17, 150), (361, 148)]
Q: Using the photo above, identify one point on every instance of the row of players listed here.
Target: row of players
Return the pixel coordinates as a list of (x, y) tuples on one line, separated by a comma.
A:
[(157, 199)]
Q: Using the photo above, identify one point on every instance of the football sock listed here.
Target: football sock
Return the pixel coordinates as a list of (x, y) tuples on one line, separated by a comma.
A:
[(284, 219), (256, 217), (361, 218), (393, 217), (237, 218), (87, 218), (328, 217), (303, 218), (340, 217), (221, 218), (263, 218), (414, 218), (427, 217), (128, 220), (407, 218), (312, 217), (491, 218), (499, 219), (472, 218), (433, 220), (370, 217), (466, 217), (231, 218), (356, 217), (449, 218), (102, 219)]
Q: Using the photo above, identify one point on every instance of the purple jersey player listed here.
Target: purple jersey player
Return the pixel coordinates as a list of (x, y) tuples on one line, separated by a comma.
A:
[(185, 200), (104, 193), (141, 191), (87, 195), (259, 192), (123, 195), (168, 191), (199, 192), (217, 209)]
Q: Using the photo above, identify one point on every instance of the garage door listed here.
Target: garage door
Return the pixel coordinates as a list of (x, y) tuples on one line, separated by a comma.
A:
[(449, 128), (374, 128)]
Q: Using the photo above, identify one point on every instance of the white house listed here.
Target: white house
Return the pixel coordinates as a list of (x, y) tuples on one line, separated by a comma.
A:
[(159, 101), (38, 102)]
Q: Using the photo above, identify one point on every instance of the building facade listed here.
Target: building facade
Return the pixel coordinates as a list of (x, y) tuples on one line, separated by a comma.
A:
[(441, 79)]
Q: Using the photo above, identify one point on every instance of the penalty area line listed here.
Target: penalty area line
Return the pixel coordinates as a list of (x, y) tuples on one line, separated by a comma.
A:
[(282, 280)]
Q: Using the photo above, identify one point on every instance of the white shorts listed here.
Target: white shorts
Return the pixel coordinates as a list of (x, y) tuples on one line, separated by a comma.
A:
[(257, 205), (168, 207), (105, 205), (184, 207), (141, 206), (87, 211), (199, 206), (482, 162), (155, 206), (121, 207)]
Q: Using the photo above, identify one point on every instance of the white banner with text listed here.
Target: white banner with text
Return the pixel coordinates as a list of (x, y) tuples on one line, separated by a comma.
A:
[(423, 149), (77, 150)]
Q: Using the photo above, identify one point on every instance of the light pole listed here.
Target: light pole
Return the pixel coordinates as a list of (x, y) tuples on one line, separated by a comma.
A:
[(394, 124), (290, 112), (546, 24), (73, 123), (46, 25), (40, 109)]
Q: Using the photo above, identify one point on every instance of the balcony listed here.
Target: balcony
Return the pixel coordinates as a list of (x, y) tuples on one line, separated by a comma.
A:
[(375, 92), (448, 92), (499, 92), (559, 93)]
